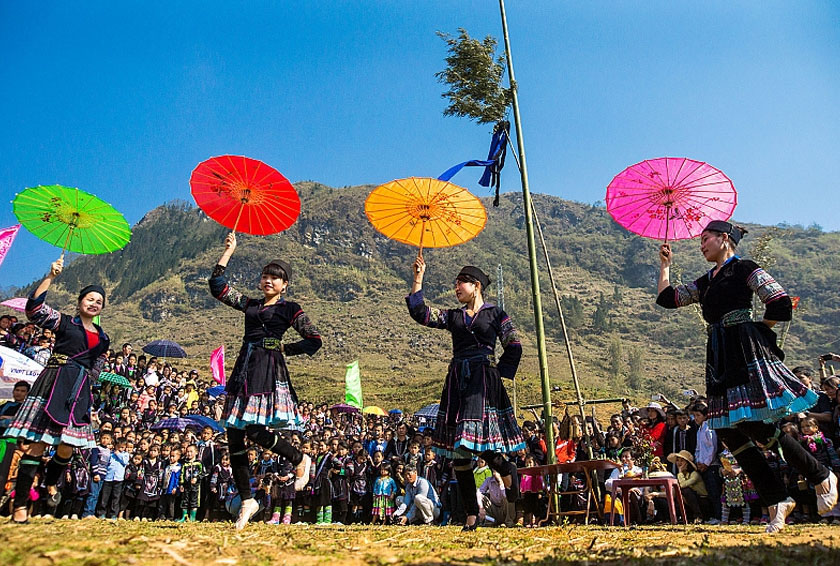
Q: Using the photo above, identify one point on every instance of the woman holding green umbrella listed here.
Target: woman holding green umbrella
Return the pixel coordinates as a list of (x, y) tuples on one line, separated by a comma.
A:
[(57, 410)]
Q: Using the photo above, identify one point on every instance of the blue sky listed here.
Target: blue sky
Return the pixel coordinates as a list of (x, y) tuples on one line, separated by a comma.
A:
[(124, 99)]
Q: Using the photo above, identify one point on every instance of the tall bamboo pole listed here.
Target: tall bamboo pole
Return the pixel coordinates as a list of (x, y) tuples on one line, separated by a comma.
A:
[(532, 248)]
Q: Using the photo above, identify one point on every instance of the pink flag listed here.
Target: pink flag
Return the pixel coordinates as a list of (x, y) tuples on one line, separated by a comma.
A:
[(217, 364), (7, 236)]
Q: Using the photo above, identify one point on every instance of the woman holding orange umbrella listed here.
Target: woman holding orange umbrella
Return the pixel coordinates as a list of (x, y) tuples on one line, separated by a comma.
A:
[(260, 395), (475, 415)]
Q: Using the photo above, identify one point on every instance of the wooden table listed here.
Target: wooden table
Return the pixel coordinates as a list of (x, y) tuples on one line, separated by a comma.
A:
[(672, 491), (588, 468)]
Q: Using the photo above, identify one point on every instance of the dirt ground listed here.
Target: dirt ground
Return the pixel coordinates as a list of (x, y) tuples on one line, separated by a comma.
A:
[(106, 543)]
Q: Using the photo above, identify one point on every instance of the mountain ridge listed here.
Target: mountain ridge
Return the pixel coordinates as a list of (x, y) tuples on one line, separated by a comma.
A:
[(352, 281)]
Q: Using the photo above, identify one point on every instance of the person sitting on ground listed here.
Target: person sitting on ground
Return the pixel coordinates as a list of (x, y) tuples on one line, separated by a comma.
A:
[(693, 490), (420, 504), (495, 508)]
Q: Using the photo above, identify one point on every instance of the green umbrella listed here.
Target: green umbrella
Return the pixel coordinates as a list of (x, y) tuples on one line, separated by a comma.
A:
[(71, 219), (114, 378)]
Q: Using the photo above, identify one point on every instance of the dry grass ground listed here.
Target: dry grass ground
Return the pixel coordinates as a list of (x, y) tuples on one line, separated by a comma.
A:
[(101, 543)]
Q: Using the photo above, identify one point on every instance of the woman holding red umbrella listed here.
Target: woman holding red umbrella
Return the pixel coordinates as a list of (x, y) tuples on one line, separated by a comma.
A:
[(747, 385), (259, 391)]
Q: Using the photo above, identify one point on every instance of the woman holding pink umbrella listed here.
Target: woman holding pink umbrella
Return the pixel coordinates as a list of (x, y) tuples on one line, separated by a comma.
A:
[(748, 386)]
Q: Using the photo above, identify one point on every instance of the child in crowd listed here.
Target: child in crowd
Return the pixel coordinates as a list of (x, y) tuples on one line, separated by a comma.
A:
[(322, 486), (171, 484), (481, 472), (132, 487), (79, 480), (192, 471), (282, 491), (109, 500), (357, 469), (98, 461), (430, 469), (413, 457), (221, 482), (340, 488), (737, 490), (531, 487), (150, 485), (384, 496)]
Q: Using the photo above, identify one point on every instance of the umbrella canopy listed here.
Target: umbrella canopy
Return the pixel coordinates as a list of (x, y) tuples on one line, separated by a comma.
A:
[(374, 410), (216, 390), (670, 198), (425, 212), (203, 421), (429, 411), (164, 349), (344, 408), (173, 424), (16, 304), (244, 194), (114, 378), (395, 412), (72, 219)]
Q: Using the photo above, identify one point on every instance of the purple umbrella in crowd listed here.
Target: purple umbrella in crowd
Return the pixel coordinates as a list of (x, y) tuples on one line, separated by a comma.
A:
[(173, 424), (203, 421)]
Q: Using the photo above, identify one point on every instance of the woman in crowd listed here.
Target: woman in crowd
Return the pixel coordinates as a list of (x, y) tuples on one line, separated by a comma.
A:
[(259, 392), (747, 384), (57, 410), (475, 415)]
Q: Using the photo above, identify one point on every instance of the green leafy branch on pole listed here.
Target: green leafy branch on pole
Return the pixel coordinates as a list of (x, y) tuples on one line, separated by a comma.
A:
[(474, 76)]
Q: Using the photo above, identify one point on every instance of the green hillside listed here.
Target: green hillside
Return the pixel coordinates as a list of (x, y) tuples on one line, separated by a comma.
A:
[(353, 281)]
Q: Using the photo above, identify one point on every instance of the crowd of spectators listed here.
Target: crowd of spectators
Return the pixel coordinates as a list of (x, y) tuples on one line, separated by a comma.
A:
[(383, 469)]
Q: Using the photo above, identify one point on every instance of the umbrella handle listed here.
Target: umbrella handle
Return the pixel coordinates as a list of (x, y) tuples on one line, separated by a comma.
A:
[(238, 216), (67, 241), (420, 251), (667, 221)]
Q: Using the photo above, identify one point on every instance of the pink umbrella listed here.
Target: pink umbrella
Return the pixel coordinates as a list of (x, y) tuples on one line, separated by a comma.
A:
[(18, 304), (670, 198)]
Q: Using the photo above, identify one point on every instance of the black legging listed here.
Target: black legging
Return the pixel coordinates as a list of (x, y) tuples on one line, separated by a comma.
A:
[(258, 434), (770, 488), (466, 484)]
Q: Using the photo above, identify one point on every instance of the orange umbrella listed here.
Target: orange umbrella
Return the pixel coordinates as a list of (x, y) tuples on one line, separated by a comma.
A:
[(421, 211)]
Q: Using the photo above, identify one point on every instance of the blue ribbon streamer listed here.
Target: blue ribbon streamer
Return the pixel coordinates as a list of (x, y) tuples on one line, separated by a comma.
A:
[(492, 165)]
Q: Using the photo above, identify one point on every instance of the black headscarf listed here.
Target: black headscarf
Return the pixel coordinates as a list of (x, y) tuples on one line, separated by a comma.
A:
[(725, 228), (93, 289), (476, 274), (284, 266)]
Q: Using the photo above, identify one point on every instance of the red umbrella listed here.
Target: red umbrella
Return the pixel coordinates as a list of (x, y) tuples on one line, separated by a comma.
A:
[(670, 197), (245, 195)]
